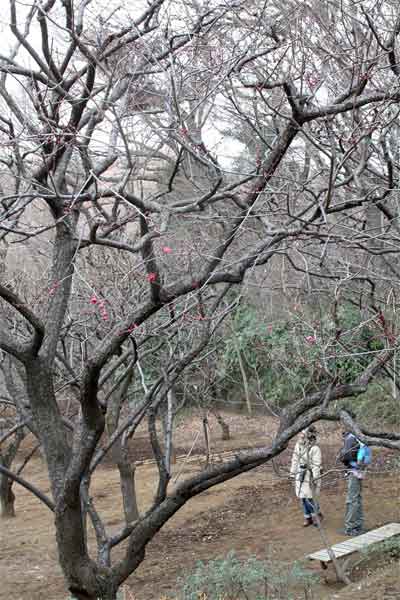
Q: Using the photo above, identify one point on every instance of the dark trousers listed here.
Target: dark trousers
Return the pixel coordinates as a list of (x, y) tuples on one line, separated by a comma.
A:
[(354, 517), (310, 507)]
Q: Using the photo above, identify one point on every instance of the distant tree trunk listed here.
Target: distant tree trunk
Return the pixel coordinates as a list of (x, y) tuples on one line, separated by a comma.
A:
[(120, 455), (7, 498), (167, 420), (244, 376), (206, 439), (395, 386), (126, 470), (226, 434), (128, 487)]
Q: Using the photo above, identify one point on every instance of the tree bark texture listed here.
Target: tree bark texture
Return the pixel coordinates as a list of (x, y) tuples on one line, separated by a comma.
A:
[(7, 456), (128, 489), (226, 434), (7, 498)]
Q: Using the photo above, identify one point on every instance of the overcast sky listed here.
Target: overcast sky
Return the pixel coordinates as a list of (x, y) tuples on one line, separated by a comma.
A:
[(117, 13)]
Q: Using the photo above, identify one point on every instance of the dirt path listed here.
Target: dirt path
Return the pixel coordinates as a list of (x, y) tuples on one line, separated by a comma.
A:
[(257, 519), (255, 514)]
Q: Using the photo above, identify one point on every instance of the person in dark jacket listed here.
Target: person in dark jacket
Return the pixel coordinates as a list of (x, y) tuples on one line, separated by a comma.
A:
[(354, 515)]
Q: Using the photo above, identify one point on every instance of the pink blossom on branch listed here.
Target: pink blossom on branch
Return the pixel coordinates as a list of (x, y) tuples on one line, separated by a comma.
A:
[(312, 80), (101, 306), (311, 339), (167, 250), (151, 277), (130, 329), (53, 288)]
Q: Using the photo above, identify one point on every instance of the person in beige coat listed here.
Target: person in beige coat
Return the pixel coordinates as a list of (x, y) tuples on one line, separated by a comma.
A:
[(306, 471)]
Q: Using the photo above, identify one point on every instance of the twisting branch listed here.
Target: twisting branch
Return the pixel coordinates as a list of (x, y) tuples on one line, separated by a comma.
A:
[(28, 486), (12, 298)]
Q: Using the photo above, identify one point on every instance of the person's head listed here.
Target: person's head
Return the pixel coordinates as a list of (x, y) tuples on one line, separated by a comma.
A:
[(309, 434)]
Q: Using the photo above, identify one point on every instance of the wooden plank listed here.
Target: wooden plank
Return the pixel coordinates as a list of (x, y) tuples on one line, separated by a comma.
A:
[(344, 551), (374, 536), (342, 548), (386, 530), (362, 541), (389, 526), (324, 556), (347, 546), (383, 533)]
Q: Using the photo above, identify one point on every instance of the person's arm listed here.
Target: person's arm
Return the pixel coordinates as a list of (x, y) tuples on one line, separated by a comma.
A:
[(349, 443), (345, 452), (316, 459)]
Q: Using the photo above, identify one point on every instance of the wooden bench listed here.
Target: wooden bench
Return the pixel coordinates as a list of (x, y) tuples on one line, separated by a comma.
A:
[(356, 544)]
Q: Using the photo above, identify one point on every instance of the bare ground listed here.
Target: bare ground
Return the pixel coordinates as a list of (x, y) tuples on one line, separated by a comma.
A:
[(254, 514)]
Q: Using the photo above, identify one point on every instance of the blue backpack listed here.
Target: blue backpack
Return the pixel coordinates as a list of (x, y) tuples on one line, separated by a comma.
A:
[(364, 454)]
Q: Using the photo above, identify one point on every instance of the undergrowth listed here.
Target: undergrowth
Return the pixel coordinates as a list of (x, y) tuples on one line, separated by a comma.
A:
[(233, 578)]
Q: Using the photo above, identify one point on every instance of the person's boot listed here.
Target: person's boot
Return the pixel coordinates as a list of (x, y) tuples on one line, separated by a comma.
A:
[(307, 522)]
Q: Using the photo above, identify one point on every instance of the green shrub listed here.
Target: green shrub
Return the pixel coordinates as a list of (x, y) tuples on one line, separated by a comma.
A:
[(376, 405), (232, 578), (297, 355), (388, 548)]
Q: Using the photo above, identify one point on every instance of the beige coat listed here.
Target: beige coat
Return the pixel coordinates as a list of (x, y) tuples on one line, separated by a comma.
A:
[(310, 455)]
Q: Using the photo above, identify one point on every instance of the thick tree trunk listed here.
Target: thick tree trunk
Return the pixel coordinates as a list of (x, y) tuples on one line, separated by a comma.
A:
[(7, 498), (86, 579)]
